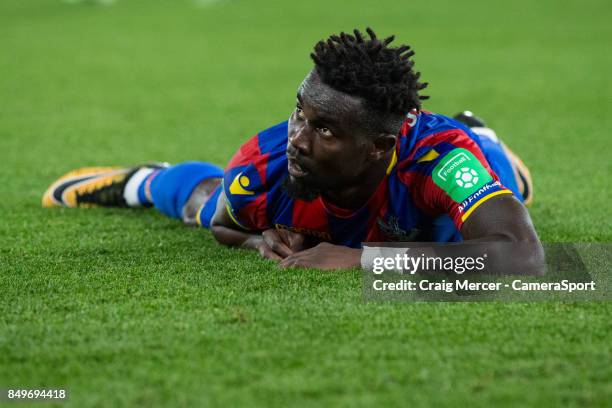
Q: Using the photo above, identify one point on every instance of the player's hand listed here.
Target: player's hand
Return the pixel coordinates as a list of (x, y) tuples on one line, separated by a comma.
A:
[(324, 256), (281, 242)]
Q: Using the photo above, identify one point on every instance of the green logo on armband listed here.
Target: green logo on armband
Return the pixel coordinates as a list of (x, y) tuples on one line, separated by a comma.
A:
[(460, 174)]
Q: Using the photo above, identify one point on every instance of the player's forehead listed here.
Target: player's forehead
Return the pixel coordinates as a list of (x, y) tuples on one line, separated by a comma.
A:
[(328, 102)]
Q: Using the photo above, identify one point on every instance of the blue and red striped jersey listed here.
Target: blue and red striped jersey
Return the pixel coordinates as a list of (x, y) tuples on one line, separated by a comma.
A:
[(438, 176)]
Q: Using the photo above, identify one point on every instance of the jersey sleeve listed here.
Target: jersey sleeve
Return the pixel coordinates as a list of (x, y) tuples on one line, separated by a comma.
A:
[(449, 174), (244, 185)]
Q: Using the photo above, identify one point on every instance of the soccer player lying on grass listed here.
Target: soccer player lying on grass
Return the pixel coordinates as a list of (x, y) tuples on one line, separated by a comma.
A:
[(357, 161)]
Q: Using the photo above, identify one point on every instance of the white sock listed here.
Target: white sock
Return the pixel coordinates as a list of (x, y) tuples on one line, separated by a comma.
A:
[(130, 192)]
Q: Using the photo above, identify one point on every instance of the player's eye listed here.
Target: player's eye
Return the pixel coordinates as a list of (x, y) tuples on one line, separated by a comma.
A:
[(325, 132), (299, 112)]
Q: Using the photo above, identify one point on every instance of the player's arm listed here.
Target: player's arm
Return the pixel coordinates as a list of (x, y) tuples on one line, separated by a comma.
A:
[(270, 244), (226, 232), (486, 213), (502, 218), (240, 218), (501, 227)]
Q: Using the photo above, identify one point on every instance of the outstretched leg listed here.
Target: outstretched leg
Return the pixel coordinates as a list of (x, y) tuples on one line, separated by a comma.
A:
[(96, 186), (179, 191)]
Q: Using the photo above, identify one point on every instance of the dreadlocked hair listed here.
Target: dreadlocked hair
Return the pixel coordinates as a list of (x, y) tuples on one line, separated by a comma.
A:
[(369, 68)]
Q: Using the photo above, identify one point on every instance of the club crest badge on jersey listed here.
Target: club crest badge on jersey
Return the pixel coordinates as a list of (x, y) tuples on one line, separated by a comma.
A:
[(393, 231)]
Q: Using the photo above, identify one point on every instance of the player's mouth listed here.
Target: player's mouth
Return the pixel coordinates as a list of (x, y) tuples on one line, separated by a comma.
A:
[(295, 169)]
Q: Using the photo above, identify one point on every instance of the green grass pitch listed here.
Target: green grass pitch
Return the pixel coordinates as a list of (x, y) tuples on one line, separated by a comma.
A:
[(130, 308)]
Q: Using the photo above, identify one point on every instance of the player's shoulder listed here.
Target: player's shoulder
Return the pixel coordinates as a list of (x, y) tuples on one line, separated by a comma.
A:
[(271, 141), (433, 135), (442, 164), (435, 147), (258, 164)]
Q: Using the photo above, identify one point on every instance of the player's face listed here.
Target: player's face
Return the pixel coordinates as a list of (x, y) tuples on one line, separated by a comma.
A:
[(326, 147)]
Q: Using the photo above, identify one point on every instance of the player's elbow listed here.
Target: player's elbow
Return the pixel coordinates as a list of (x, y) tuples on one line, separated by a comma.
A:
[(226, 235), (221, 234), (216, 232), (524, 257), (515, 254), (528, 251), (535, 261)]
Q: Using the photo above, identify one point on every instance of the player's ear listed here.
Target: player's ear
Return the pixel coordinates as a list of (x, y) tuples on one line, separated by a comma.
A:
[(382, 144)]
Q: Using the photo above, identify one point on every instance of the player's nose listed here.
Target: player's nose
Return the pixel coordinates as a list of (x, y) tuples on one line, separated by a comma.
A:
[(299, 139)]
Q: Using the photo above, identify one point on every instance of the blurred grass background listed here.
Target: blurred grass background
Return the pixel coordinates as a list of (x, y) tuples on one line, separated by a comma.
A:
[(129, 308)]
